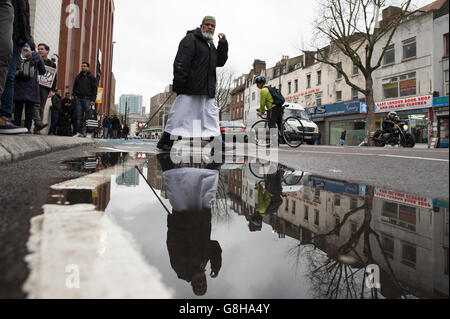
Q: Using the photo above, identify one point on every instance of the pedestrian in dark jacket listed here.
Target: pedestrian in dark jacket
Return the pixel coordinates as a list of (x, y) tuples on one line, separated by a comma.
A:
[(26, 92), (195, 83), (56, 111), (64, 126), (106, 122), (85, 93), (21, 34), (343, 138), (115, 127)]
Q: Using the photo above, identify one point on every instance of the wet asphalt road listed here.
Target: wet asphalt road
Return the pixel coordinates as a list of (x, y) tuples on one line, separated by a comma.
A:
[(25, 186)]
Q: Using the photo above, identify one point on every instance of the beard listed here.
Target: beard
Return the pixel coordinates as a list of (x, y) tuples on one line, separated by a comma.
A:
[(208, 36)]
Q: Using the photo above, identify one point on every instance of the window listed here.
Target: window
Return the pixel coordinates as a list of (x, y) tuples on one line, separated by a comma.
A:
[(318, 99), (354, 204), (306, 213), (389, 57), (283, 69), (253, 96), (355, 94), (289, 87), (409, 255), (279, 87), (317, 195), (401, 86), (316, 217), (409, 49), (446, 82), (446, 45), (388, 246), (339, 74), (319, 77), (400, 215), (277, 72), (296, 86), (287, 205), (337, 200), (339, 96), (355, 69), (308, 81), (308, 101), (294, 207)]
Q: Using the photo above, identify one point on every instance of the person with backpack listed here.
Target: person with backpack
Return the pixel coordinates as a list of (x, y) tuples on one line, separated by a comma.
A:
[(271, 102)]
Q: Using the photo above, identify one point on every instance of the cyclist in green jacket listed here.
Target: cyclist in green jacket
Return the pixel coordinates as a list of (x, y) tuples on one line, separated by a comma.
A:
[(274, 113)]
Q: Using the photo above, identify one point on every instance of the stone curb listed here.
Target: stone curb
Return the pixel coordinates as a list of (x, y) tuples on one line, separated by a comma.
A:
[(20, 147)]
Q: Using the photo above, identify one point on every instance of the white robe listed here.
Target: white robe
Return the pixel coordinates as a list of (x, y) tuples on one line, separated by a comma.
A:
[(191, 188), (194, 116)]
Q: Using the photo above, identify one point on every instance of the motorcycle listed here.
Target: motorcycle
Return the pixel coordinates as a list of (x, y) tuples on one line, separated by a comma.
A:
[(400, 136)]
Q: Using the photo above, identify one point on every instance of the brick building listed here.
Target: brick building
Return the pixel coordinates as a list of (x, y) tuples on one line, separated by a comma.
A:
[(87, 35), (238, 98)]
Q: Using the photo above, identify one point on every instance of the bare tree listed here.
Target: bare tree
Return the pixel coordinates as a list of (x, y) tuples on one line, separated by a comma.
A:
[(223, 91), (351, 27)]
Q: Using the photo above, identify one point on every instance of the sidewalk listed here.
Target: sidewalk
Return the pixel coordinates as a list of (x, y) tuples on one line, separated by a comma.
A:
[(18, 147)]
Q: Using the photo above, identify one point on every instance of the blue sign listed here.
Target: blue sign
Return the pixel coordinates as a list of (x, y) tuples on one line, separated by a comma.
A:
[(363, 108), (440, 203), (440, 101), (353, 107), (337, 187)]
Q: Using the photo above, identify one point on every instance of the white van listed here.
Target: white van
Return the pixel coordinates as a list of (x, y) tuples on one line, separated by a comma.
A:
[(290, 109)]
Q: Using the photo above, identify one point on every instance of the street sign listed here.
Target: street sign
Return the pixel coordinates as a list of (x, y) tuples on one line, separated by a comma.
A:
[(99, 95)]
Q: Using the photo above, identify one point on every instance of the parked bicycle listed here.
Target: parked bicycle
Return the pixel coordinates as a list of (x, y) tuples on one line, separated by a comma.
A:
[(292, 132)]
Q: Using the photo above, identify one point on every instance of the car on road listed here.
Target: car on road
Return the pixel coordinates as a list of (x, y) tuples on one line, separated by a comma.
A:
[(233, 131)]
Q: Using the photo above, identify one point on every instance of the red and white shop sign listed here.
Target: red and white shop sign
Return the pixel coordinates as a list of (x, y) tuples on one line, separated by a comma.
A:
[(420, 102), (403, 198)]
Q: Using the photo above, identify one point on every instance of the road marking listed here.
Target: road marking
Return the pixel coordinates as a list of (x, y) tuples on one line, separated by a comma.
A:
[(371, 154)]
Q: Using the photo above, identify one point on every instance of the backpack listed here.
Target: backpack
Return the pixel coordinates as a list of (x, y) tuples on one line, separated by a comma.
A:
[(25, 69), (278, 99)]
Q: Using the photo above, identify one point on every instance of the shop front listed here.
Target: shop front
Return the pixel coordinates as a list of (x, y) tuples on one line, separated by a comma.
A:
[(416, 110), (334, 119), (440, 121)]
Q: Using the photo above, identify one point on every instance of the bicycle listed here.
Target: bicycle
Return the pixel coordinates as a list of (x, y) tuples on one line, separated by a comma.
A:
[(291, 177), (292, 132)]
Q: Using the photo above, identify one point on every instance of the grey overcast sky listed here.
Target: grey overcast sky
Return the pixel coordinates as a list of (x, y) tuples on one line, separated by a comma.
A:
[(148, 32)]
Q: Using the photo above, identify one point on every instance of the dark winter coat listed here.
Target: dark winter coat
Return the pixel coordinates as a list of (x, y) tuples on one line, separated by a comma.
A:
[(28, 90), (85, 86), (189, 243), (22, 29), (115, 123), (106, 122), (195, 65), (68, 107), (56, 103)]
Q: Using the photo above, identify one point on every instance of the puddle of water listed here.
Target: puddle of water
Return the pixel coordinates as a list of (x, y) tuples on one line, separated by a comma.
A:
[(246, 230)]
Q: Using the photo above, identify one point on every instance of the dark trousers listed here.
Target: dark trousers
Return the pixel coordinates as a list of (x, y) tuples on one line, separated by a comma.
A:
[(54, 122), (6, 44), (275, 117), (7, 98), (30, 108)]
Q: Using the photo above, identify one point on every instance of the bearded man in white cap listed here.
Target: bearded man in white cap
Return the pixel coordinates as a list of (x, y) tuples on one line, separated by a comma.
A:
[(194, 113)]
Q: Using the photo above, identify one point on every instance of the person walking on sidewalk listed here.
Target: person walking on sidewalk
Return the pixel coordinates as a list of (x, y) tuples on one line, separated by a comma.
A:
[(56, 111), (15, 32), (195, 83), (26, 89), (85, 93), (115, 126), (64, 126), (343, 138), (105, 123), (45, 92)]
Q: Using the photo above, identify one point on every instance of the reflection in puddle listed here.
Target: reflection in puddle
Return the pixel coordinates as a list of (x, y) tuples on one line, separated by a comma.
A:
[(268, 231)]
